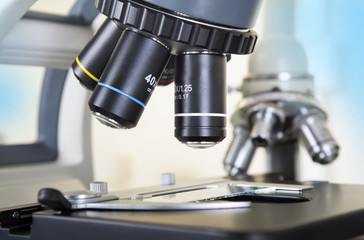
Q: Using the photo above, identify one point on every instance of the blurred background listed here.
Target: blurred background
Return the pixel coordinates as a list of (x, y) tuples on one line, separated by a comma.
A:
[(332, 35)]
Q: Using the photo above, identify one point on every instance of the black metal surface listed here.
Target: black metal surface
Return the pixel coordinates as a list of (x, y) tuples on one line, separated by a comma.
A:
[(178, 29), (91, 62), (15, 222), (237, 13), (281, 158), (168, 73), (200, 88), (335, 212), (10, 217), (129, 78)]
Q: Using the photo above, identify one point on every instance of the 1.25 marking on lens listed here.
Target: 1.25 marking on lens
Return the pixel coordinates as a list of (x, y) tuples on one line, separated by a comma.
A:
[(182, 91), (184, 88)]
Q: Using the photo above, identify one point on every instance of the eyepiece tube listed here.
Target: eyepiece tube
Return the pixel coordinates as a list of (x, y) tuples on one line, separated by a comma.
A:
[(128, 80), (200, 99), (91, 62)]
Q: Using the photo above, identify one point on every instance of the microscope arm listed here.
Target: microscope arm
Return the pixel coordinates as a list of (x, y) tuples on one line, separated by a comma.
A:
[(10, 13)]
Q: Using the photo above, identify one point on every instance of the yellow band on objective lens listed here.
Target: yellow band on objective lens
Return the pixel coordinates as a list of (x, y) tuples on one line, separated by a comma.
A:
[(85, 70)]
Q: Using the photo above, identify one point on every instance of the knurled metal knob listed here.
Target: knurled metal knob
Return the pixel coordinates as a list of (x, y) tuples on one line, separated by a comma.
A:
[(99, 187), (177, 28), (167, 179)]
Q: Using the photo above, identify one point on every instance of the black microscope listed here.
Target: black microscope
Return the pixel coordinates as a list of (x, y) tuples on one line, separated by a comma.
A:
[(146, 43)]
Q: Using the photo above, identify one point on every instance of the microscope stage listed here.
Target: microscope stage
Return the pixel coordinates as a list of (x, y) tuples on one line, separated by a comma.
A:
[(334, 211)]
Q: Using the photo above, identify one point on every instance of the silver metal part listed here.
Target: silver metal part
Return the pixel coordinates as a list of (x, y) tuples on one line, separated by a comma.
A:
[(156, 206), (282, 76), (311, 129), (267, 119), (99, 187), (203, 144), (85, 197), (81, 195), (168, 179), (279, 109), (289, 101), (240, 152), (220, 184), (191, 196), (284, 81), (107, 121)]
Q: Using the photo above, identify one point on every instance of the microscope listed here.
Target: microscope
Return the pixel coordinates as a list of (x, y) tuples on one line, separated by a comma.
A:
[(124, 61), (278, 111), (143, 44), (278, 106)]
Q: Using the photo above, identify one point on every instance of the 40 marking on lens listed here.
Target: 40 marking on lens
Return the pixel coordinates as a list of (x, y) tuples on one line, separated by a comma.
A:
[(152, 80)]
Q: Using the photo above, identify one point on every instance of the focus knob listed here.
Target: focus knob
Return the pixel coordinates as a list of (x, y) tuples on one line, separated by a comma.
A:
[(167, 179), (99, 187)]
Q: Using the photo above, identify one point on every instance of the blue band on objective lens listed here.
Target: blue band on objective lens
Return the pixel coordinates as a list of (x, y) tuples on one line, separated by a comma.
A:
[(122, 93)]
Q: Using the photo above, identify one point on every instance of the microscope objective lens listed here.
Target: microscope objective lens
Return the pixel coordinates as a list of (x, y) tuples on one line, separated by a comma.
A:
[(200, 93), (140, 46), (90, 64), (128, 80)]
